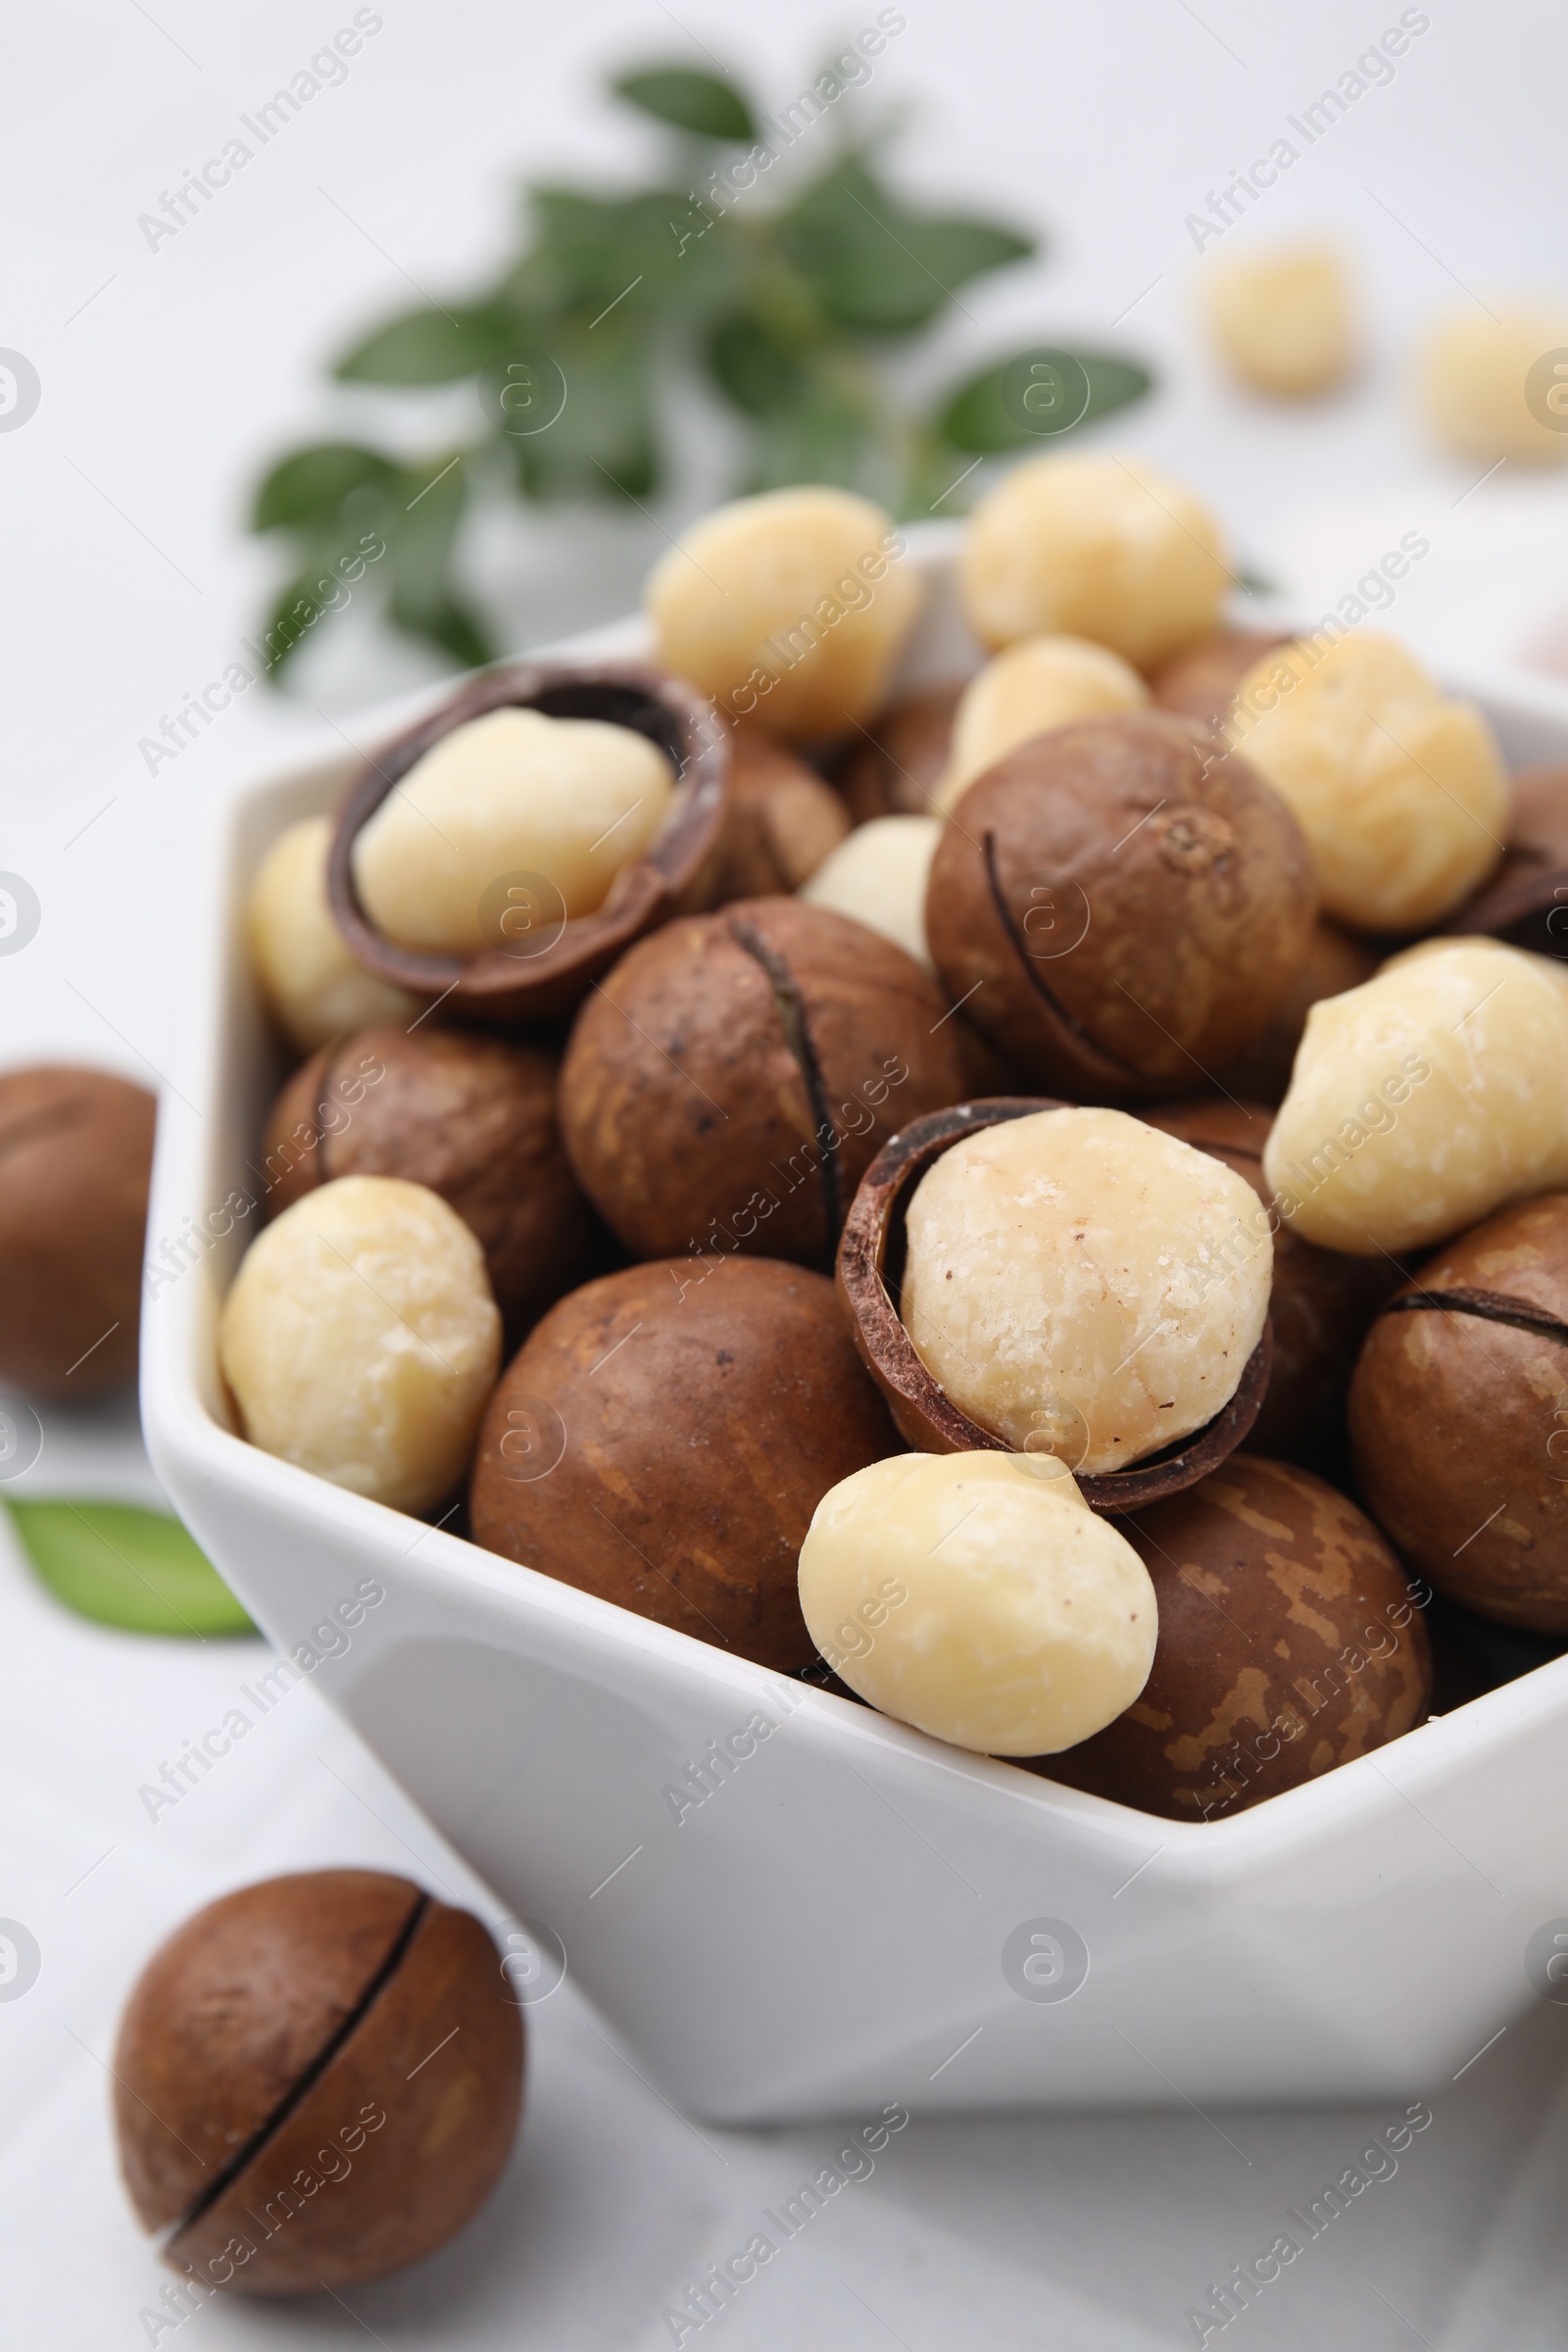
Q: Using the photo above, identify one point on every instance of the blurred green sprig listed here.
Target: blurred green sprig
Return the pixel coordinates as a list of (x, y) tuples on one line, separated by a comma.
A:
[(579, 349)]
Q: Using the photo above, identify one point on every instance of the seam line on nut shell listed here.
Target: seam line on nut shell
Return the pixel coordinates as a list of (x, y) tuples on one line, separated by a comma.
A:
[(306, 2080)]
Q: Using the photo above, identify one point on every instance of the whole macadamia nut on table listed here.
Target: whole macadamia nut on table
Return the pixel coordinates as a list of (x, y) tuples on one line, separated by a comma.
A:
[(1119, 909), (782, 822), (789, 607), (1078, 1282), (310, 981), (978, 1598), (1400, 790), (1486, 385), (663, 1436), (1424, 1100), (318, 2080), (1283, 320), (734, 1076), (878, 875), (1101, 546), (75, 1157), (1459, 1418), (361, 1340), (1201, 684), (1290, 1641), (470, 1116), (1037, 684), (572, 800), (896, 761)]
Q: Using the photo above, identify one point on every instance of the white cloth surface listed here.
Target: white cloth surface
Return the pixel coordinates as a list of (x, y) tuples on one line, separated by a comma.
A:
[(167, 377)]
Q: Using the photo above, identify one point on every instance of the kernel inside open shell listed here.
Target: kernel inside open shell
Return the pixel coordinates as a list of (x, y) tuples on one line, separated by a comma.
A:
[(870, 1275), (543, 962)]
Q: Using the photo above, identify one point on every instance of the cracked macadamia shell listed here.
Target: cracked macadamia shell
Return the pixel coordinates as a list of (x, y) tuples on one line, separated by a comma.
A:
[(515, 792), (789, 607), (1283, 320), (1290, 1641), (1400, 790), (1040, 683), (317, 2082), (979, 1598), (472, 1116), (361, 1340), (894, 765), (311, 983), (1100, 547), (1079, 1269), (736, 1074), (1120, 906), (878, 877), (663, 1436), (1424, 1100), (1459, 1418), (1475, 386), (781, 822)]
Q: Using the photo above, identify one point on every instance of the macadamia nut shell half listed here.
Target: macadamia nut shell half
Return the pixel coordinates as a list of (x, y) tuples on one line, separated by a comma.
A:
[(543, 961), (871, 1267)]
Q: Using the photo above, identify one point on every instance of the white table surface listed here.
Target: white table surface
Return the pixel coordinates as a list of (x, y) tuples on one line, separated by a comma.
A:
[(166, 378)]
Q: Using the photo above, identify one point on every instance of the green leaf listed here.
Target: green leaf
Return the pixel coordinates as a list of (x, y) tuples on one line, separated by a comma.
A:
[(425, 600), (125, 1566), (430, 347), (311, 484), (750, 367), (688, 101), (880, 268), (985, 417)]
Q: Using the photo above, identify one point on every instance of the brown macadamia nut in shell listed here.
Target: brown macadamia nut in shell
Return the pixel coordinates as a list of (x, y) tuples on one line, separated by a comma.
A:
[(1119, 910), (896, 761), (735, 1075), (1459, 1418), (75, 1157), (1290, 1641), (318, 2080), (1334, 963), (781, 822), (663, 1436), (1201, 684), (472, 1117)]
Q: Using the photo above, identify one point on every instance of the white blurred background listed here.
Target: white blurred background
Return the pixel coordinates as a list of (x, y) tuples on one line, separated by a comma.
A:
[(168, 380)]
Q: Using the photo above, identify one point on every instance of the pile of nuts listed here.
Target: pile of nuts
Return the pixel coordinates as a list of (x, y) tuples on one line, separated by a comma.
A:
[(1121, 1026)]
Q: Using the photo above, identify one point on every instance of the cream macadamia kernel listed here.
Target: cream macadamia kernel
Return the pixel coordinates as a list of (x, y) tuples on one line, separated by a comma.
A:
[(976, 1597), (361, 1340), (1402, 792), (1486, 386), (788, 608), (1283, 320), (1037, 684), (312, 986), (878, 875), (1425, 1098), (1081, 1283), (1102, 547), (573, 800)]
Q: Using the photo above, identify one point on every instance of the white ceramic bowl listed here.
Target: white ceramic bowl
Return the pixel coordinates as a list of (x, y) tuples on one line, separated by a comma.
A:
[(855, 1913)]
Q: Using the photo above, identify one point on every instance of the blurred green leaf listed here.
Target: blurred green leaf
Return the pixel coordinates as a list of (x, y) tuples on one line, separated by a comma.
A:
[(879, 266), (128, 1567), (422, 600), (311, 484), (751, 366), (976, 416), (429, 347), (688, 101)]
